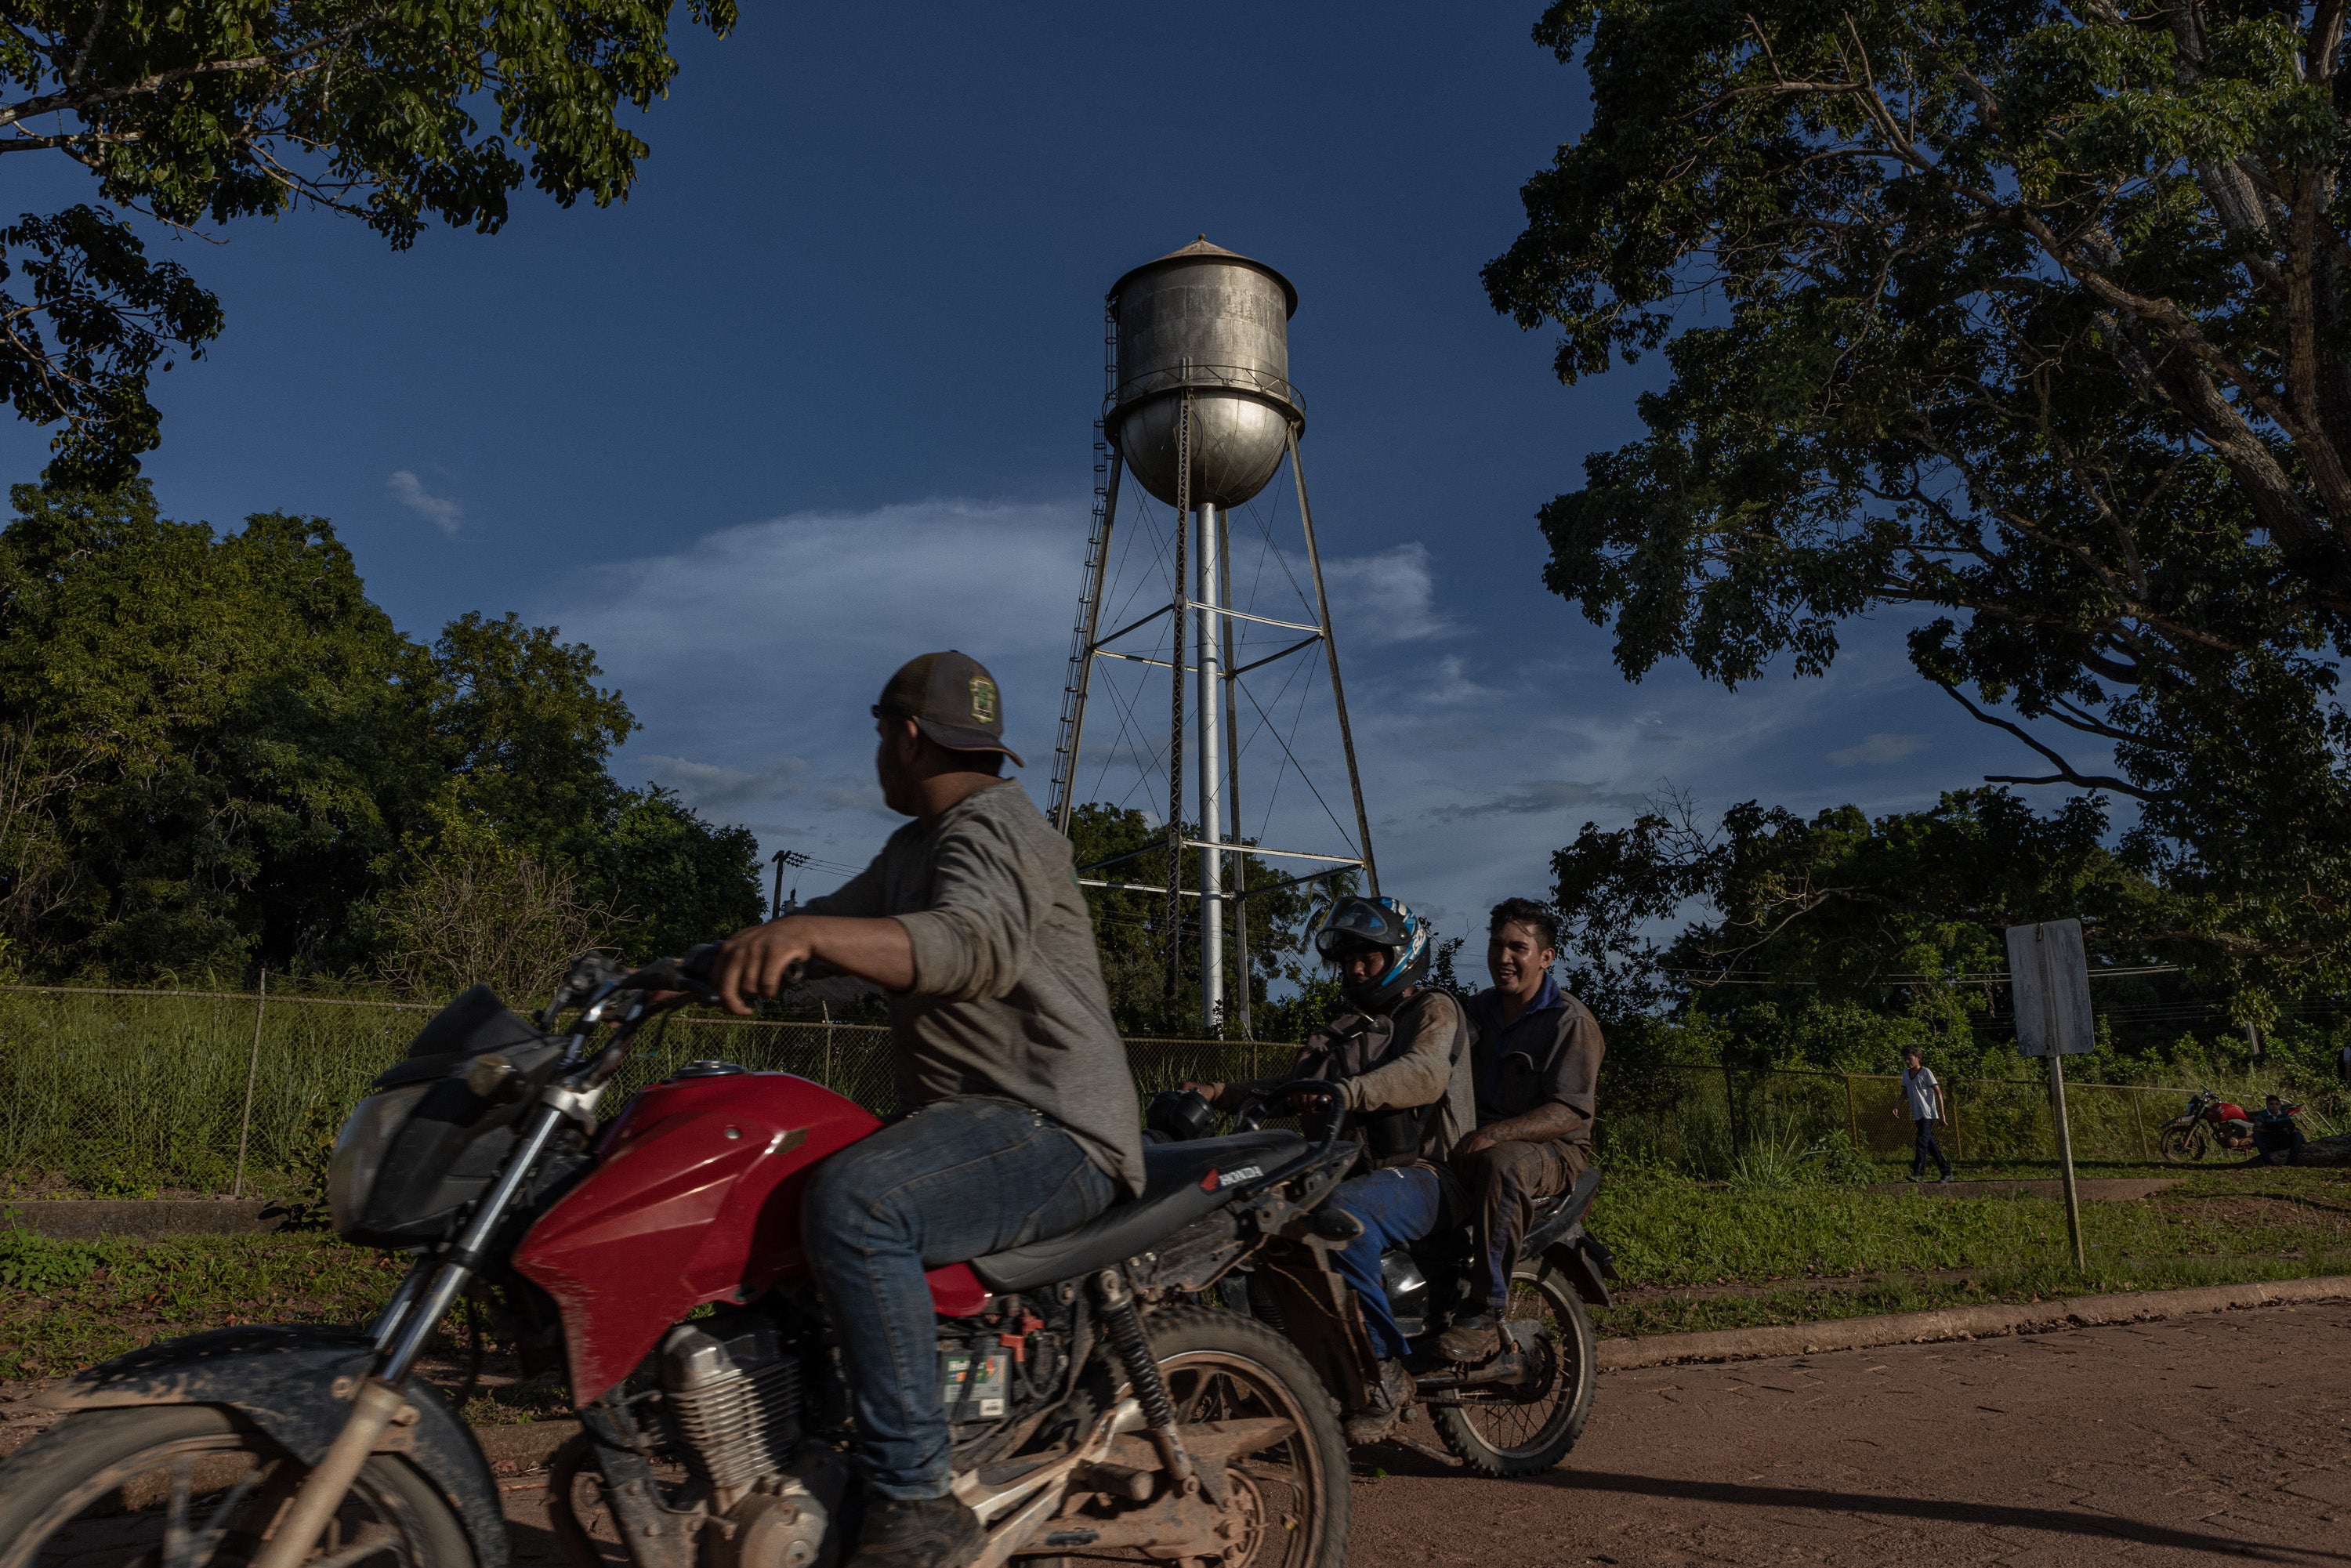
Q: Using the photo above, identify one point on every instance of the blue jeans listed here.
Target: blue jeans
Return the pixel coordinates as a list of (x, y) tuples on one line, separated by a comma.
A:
[(1923, 1149), (1395, 1206), (952, 1182)]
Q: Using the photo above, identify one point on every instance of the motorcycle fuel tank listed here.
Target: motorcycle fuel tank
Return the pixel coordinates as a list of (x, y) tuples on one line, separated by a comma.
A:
[(696, 1198)]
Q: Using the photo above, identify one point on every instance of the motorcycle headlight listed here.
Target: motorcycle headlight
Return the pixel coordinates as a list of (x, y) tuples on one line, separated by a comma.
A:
[(360, 1151)]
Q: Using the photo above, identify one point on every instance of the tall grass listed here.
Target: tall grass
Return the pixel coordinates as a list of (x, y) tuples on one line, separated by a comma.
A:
[(136, 1093)]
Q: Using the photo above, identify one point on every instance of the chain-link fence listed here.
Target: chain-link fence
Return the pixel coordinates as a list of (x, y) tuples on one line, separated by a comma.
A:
[(140, 1092), (1716, 1117)]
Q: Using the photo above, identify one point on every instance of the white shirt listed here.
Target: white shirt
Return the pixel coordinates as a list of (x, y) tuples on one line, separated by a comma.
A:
[(1918, 1094)]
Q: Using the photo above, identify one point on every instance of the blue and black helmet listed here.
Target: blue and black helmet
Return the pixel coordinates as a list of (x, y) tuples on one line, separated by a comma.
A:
[(1381, 921)]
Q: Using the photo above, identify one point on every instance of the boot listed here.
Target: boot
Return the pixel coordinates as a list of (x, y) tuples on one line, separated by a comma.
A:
[(1470, 1340), (917, 1532), (1377, 1419)]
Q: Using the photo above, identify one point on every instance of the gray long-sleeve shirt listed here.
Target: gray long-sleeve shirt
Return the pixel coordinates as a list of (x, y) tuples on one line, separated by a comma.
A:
[(1007, 1000)]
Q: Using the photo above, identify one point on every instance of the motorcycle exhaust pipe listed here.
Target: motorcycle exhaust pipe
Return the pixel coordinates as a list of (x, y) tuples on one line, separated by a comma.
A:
[(372, 1409)]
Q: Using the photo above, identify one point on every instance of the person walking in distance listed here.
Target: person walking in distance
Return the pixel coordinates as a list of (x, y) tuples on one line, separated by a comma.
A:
[(1922, 1101)]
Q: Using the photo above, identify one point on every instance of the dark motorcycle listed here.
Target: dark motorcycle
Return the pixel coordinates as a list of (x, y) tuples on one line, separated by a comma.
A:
[(655, 1264), (1514, 1415)]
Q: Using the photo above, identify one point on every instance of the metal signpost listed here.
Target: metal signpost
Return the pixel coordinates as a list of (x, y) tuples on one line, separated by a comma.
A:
[(2049, 976)]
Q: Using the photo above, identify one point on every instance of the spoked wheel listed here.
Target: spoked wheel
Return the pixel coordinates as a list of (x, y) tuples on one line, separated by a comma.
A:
[(2184, 1143), (1287, 1502), (185, 1486), (1518, 1428)]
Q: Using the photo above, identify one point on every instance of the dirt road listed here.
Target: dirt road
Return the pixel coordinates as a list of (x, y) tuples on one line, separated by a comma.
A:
[(2148, 1444), (2156, 1443)]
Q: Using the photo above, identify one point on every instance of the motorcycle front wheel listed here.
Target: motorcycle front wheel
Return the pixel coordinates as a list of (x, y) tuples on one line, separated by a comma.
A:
[(188, 1486), (1519, 1429), (1289, 1501), (2184, 1143)]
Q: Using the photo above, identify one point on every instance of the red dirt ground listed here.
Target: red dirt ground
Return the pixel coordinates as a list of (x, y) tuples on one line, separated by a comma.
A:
[(2152, 1443), (2168, 1443)]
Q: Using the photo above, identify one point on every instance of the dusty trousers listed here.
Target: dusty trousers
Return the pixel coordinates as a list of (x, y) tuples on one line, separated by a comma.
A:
[(1506, 1183)]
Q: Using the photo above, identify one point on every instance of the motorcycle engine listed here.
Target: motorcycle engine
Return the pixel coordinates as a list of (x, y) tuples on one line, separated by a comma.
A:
[(732, 1391), (733, 1399)]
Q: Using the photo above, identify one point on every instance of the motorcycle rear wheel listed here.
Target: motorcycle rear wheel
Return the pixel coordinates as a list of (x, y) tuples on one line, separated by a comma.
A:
[(152, 1484), (2184, 1143), (1518, 1429)]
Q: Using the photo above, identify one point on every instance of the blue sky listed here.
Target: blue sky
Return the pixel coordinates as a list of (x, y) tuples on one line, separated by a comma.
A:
[(819, 396)]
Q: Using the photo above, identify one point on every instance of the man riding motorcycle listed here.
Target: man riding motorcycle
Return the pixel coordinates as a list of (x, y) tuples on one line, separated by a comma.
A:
[(1536, 1062), (1397, 1059), (1021, 1120)]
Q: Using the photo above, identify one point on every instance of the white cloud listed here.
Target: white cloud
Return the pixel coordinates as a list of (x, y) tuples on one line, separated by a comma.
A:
[(439, 510), (1880, 749), (1390, 597), (1541, 798), (752, 654)]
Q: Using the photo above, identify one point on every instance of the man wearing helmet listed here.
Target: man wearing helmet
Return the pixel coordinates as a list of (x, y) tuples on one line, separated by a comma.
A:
[(1536, 1062), (1396, 1059)]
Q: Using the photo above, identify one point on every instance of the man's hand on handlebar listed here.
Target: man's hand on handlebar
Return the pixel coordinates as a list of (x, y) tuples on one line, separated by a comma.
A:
[(1211, 1092), (760, 960)]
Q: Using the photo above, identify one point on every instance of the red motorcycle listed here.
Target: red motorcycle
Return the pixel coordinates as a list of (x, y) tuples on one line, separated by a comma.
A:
[(656, 1263), (2208, 1120)]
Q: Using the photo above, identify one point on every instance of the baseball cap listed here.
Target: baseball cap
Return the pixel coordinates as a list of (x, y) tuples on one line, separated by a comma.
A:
[(953, 699)]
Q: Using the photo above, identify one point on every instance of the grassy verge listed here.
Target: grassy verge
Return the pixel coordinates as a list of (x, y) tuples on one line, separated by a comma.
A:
[(64, 1305), (1799, 1253), (1750, 1256)]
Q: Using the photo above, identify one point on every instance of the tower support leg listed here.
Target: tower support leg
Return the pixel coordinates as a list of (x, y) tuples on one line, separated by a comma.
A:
[(1338, 692)]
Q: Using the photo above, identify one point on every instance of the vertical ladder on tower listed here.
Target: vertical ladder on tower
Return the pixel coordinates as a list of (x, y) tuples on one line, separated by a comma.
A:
[(1090, 590)]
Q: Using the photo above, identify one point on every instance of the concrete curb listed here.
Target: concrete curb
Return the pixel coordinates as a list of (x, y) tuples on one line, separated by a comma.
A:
[(1961, 1323)]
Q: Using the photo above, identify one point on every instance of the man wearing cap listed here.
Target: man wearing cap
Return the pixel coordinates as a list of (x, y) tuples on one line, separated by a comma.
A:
[(1022, 1120)]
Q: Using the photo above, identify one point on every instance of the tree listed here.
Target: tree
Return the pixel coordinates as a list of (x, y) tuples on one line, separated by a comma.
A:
[(210, 110), (2027, 318), (1829, 941), (481, 913), (216, 752)]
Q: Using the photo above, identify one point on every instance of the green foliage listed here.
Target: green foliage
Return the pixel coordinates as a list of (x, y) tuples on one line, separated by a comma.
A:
[(2028, 317), (65, 1304), (210, 110), (1668, 1231), (1836, 941), (215, 753)]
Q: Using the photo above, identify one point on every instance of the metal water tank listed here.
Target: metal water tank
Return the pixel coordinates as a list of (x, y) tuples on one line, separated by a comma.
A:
[(1218, 324)]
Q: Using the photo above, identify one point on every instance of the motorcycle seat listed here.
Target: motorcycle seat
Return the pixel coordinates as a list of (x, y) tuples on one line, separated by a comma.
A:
[(1181, 1183)]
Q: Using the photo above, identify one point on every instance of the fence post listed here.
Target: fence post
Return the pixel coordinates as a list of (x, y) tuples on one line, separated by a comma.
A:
[(1951, 1094), (1852, 1122), (252, 1070), (2139, 1124), (825, 1009)]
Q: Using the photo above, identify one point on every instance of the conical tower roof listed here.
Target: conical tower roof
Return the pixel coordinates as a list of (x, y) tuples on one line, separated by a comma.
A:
[(1202, 249)]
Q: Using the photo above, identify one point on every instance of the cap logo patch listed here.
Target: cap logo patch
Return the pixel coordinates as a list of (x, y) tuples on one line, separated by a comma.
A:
[(983, 700)]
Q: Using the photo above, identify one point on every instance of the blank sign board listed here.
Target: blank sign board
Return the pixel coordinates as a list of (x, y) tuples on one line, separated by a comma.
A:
[(2049, 976)]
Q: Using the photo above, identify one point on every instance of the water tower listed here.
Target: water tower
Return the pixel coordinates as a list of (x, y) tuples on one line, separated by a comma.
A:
[(1199, 411)]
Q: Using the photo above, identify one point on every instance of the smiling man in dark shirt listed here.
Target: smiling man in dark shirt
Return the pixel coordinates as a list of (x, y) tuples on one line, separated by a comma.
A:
[(1535, 1062)]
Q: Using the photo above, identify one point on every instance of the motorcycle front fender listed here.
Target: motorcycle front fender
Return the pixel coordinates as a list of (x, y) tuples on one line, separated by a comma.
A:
[(295, 1382)]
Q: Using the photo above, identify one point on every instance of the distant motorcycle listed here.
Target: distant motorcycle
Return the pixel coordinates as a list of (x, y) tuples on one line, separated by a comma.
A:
[(2208, 1120)]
